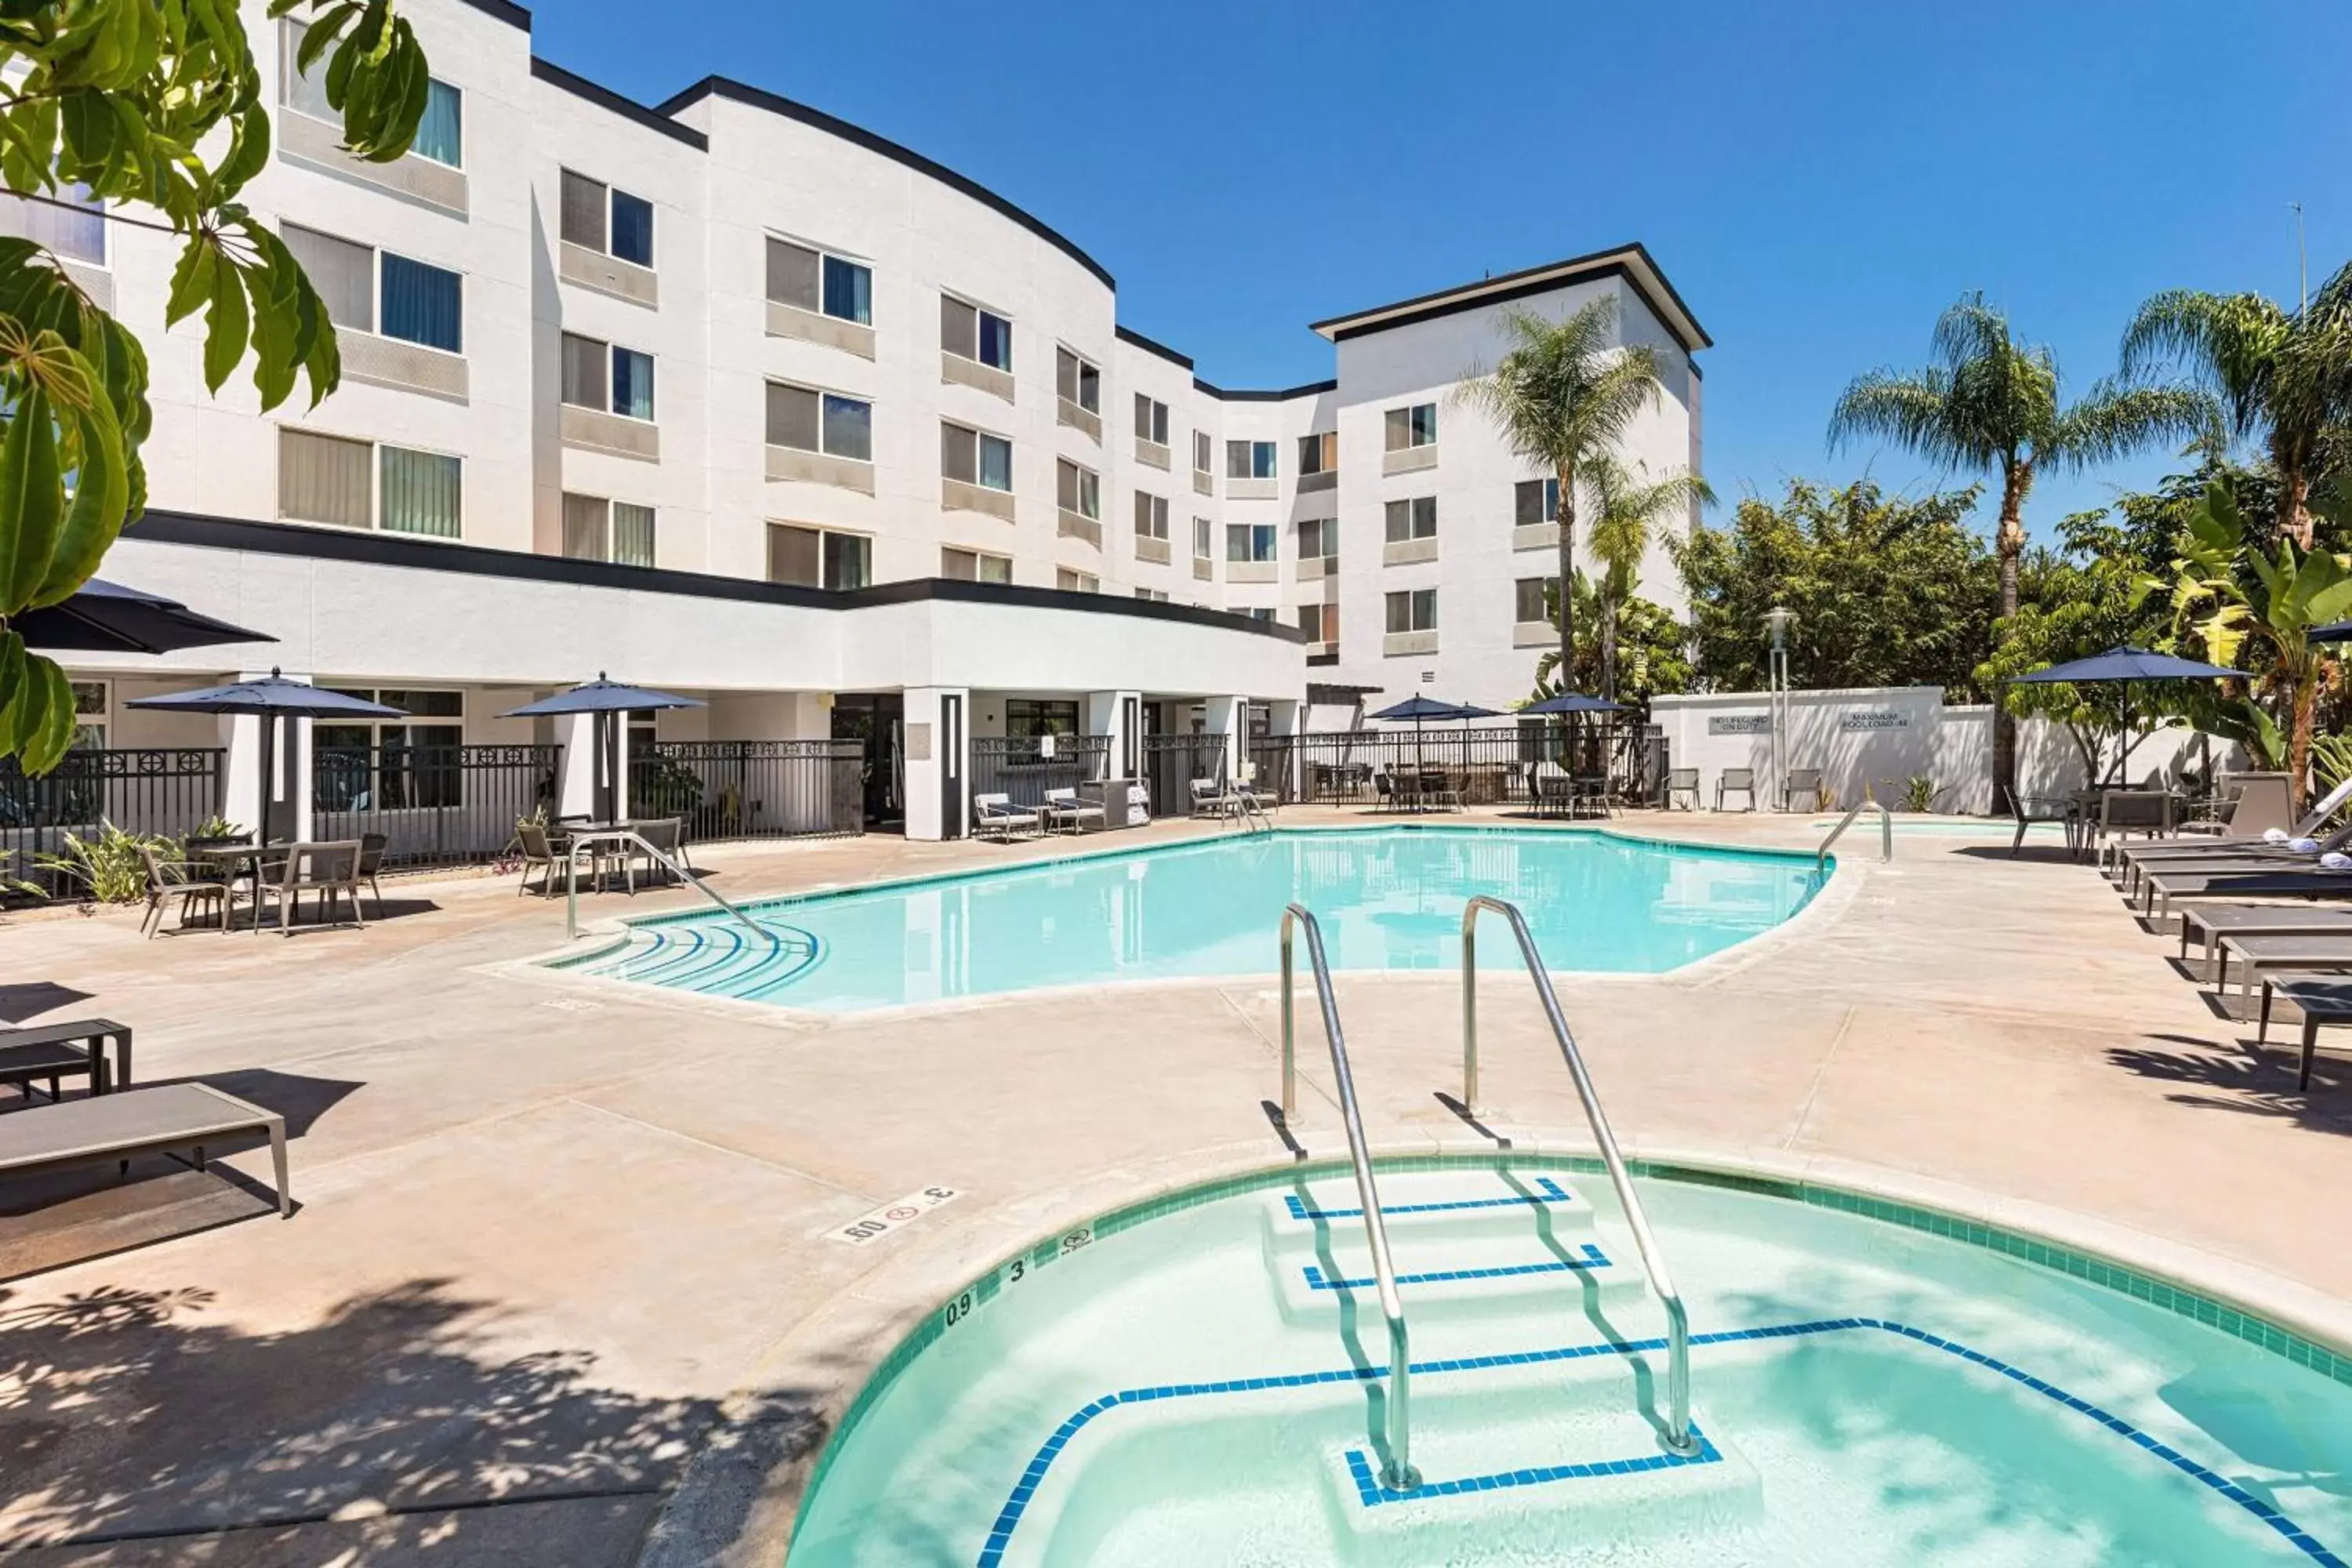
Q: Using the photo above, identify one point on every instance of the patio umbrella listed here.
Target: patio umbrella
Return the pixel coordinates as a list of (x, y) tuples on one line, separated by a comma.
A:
[(1575, 702), (107, 617), (270, 698), (2123, 666), (1428, 709), (602, 697), (2333, 631)]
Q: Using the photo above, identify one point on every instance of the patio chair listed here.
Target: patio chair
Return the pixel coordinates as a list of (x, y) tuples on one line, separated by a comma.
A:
[(1211, 798), (1551, 790), (1384, 790), (2029, 809), (1065, 809), (666, 834), (52, 1052), (1682, 781), (1590, 790), (168, 878), (372, 848), (332, 871), (995, 816), (1437, 785), (1803, 785), (1736, 781), (540, 849)]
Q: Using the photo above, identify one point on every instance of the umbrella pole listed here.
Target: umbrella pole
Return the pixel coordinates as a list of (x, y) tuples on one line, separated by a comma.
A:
[(268, 774)]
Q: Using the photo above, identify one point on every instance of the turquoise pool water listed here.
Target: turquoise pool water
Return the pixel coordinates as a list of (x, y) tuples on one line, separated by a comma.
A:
[(1201, 1381), (1388, 898)]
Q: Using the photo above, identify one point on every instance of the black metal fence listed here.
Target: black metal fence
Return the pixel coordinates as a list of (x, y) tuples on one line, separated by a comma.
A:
[(164, 792), (752, 789), (1496, 764), (1024, 767), (1171, 764), (434, 804)]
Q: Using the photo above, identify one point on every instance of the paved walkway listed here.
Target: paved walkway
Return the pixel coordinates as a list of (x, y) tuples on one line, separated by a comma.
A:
[(560, 1292)]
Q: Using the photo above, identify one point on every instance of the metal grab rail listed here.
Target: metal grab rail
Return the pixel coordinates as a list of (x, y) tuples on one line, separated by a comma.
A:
[(1679, 1438), (1885, 832), (622, 834), (1399, 1474)]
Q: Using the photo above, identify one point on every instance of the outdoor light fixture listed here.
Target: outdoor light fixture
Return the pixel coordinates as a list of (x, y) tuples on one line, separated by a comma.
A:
[(1778, 620)]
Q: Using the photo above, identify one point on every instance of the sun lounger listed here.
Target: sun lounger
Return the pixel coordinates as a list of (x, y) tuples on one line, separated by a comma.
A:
[(2255, 881), (2313, 821), (1065, 809), (2261, 954), (56, 1051), (2211, 923), (2323, 999), (159, 1120), (995, 816)]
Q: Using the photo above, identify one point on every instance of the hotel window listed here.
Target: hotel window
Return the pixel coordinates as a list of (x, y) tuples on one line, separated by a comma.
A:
[(1078, 489), (974, 565), (1029, 716), (1413, 427), (1150, 516), (970, 332), (1150, 419), (606, 376), (1202, 452), (819, 281), (369, 290), (595, 529), (975, 458), (77, 232), (826, 421), (1263, 612), (440, 132), (1152, 596), (1249, 541), (1204, 534), (1074, 380), (1249, 459), (407, 762), (818, 557), (1535, 501), (607, 220), (1318, 454), (359, 484), (1414, 611), (1414, 518), (1320, 621), (1319, 538), (1531, 592), (1069, 581)]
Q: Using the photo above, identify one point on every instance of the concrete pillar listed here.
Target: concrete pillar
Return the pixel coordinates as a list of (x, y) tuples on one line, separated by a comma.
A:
[(1284, 719), (938, 761), (1120, 715), (1229, 717)]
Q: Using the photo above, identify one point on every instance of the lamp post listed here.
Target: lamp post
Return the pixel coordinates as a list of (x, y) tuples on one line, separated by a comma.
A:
[(1777, 621)]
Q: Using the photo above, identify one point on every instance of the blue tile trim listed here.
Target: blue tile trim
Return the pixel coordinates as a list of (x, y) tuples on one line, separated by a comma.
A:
[(1593, 1259), (1546, 1192), (1372, 1492), (999, 1535)]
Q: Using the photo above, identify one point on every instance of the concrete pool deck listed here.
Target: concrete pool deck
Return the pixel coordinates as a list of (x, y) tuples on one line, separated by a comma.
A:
[(562, 1289)]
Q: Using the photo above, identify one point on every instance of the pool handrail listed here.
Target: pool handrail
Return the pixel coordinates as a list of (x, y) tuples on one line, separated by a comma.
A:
[(1678, 1438), (1885, 832), (618, 835), (1399, 1474)]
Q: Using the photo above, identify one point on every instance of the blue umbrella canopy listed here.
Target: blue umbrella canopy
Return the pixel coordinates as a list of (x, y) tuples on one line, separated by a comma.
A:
[(107, 617), (2333, 631), (1574, 703), (600, 696), (1420, 709), (2130, 664), (273, 696)]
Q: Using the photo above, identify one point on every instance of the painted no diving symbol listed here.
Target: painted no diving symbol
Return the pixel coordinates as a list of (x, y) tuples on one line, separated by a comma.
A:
[(900, 1212)]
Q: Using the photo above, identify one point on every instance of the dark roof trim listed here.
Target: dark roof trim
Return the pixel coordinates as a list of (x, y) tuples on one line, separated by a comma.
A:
[(473, 560), (627, 109), (1130, 335), (1251, 395), (512, 15), (757, 98), (1543, 279)]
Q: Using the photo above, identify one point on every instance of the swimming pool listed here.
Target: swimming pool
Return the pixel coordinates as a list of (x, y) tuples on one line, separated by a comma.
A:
[(1198, 1379), (1387, 898)]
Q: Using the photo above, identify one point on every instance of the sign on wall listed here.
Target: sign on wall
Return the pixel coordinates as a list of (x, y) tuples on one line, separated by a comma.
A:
[(1738, 723), (1875, 718)]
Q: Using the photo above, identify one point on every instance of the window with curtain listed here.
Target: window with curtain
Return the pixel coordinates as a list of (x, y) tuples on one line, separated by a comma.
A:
[(1152, 419), (440, 134), (424, 304), (1320, 621), (849, 427), (587, 528), (1150, 516), (325, 478), (848, 291), (1249, 541), (1414, 518), (633, 228), (795, 555), (1078, 489), (848, 561), (1249, 460), (1531, 593), (974, 566), (344, 274), (996, 463), (996, 341), (633, 534), (792, 274), (794, 418), (585, 381), (1413, 427), (304, 94), (1319, 538), (959, 327), (959, 453), (1202, 451), (1077, 381), (633, 383), (76, 234), (1415, 610), (1203, 538), (423, 492), (1535, 501), (1319, 453), (1071, 582)]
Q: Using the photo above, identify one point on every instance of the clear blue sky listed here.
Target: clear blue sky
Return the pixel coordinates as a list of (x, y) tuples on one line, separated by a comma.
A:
[(1818, 179)]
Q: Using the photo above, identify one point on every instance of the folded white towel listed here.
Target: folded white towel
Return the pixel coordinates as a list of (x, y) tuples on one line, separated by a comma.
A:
[(2303, 845), (2336, 860), (2274, 834)]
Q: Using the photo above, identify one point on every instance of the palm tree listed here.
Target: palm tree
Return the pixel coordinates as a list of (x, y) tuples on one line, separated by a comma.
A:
[(1564, 395), (2282, 378), (1989, 403), (1627, 509)]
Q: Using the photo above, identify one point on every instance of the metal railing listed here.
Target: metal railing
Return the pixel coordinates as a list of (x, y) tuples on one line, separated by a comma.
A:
[(1885, 832), (625, 836), (1678, 1438), (1399, 1474)]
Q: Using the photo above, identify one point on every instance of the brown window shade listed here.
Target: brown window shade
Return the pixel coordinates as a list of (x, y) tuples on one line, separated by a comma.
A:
[(324, 478), (958, 328), (1526, 502), (586, 372), (1396, 428), (587, 528), (792, 415), (342, 273), (961, 565), (793, 274), (957, 459), (795, 555), (1066, 484), (1530, 591), (1066, 374), (585, 205)]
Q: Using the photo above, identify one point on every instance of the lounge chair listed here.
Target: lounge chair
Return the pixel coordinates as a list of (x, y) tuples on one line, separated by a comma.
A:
[(2254, 813), (1803, 785), (2211, 923), (165, 1118), (1736, 781), (1065, 809), (2029, 809), (995, 816), (1682, 781), (2250, 803), (1211, 798), (2323, 998), (2241, 882), (2256, 857), (2275, 950), (52, 1052), (191, 883)]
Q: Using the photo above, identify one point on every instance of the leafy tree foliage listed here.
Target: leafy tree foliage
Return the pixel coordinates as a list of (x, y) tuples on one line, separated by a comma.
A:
[(158, 106), (1887, 590), (1651, 646)]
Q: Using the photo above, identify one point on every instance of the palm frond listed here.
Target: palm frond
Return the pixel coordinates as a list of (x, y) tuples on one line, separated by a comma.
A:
[(2228, 342), (1910, 408), (2116, 418)]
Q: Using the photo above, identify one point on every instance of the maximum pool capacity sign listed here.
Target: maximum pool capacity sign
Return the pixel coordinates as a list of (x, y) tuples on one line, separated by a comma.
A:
[(875, 1224)]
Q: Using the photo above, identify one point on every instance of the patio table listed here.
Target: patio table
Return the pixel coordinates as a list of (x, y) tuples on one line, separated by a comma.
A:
[(239, 862)]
